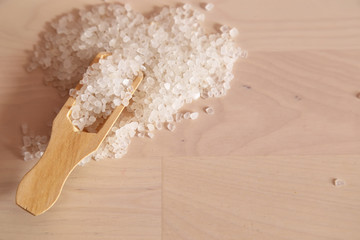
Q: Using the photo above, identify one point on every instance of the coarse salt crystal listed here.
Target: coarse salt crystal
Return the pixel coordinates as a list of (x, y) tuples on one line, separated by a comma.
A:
[(171, 127), (234, 32), (209, 6), (194, 115), (24, 128), (339, 182), (186, 115), (127, 7), (150, 127), (209, 110)]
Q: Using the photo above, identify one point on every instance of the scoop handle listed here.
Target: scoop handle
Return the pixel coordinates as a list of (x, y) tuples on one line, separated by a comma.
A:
[(41, 186)]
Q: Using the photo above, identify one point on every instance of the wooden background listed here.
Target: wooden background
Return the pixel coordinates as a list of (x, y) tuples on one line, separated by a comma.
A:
[(261, 168)]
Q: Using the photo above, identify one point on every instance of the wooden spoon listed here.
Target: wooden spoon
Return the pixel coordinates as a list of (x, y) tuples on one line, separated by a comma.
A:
[(41, 186)]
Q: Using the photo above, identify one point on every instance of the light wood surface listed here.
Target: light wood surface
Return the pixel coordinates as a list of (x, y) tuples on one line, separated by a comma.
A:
[(262, 167)]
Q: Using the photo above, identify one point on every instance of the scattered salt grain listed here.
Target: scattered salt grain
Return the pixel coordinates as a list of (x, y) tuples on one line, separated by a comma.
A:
[(186, 115), (24, 128), (150, 135), (159, 125), (27, 156), (27, 141), (339, 182), (150, 127), (209, 110), (33, 146), (194, 115), (209, 6), (178, 117), (127, 7), (234, 32), (171, 127)]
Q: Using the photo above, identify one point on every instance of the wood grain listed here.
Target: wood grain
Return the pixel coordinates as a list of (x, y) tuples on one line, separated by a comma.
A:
[(260, 168)]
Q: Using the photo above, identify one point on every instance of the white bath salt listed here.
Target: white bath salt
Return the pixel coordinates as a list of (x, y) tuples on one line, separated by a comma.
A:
[(179, 59), (150, 135), (339, 182), (178, 117), (194, 115), (209, 6), (150, 127), (24, 128), (159, 125), (209, 110), (171, 127), (187, 115), (34, 147), (127, 7), (233, 32), (26, 141)]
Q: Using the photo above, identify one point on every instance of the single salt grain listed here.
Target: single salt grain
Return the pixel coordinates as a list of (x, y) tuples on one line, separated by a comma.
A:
[(234, 32), (339, 182), (159, 125), (209, 6), (27, 156), (38, 154), (150, 127), (27, 141), (127, 7), (167, 86), (24, 128), (171, 127), (186, 115), (178, 117), (126, 39), (194, 115), (150, 135), (141, 134), (244, 54), (209, 110)]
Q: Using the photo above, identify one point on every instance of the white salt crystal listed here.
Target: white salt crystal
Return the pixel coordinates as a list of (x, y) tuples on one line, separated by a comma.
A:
[(178, 117), (167, 86), (127, 7), (209, 110), (186, 115), (112, 42), (194, 115), (151, 127), (26, 141), (126, 39), (38, 154), (234, 32), (339, 182), (196, 96), (209, 6), (150, 135), (24, 128), (126, 82), (159, 125), (171, 127), (27, 156)]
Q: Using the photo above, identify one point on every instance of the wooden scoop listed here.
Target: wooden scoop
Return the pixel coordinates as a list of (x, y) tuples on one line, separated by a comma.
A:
[(41, 186)]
